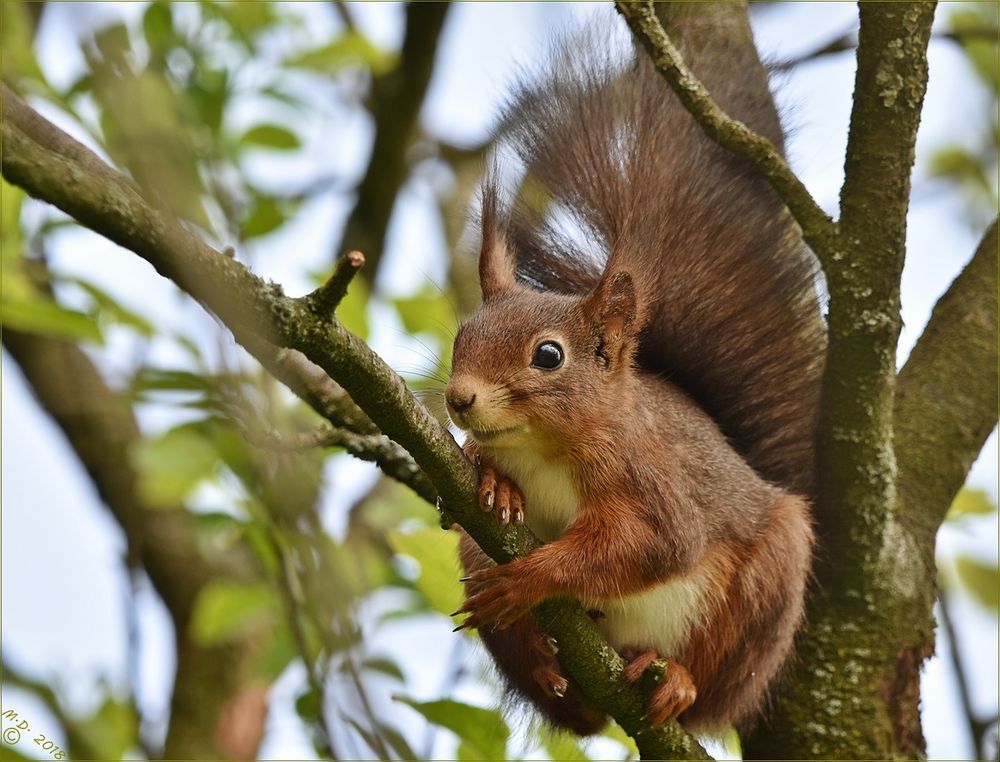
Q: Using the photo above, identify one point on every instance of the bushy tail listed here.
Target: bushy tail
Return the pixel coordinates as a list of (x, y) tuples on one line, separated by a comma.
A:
[(615, 164)]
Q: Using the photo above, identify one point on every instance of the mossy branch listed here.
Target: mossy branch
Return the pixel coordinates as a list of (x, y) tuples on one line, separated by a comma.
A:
[(817, 227), (53, 167), (856, 461), (946, 394)]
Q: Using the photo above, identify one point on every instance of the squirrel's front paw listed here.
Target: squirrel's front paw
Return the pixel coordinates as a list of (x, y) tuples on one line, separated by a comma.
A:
[(496, 598), (499, 494)]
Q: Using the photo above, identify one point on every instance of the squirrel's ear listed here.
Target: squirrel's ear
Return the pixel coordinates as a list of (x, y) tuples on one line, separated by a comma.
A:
[(496, 261), (613, 310)]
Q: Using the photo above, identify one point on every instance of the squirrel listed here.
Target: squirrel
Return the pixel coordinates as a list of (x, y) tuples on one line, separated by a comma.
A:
[(640, 388)]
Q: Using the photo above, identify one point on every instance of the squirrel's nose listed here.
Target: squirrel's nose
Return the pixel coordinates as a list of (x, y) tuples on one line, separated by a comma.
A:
[(460, 401)]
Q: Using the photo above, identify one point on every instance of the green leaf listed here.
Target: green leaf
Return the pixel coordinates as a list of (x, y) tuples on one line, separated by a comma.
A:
[(961, 166), (971, 502), (349, 49), (172, 465), (113, 310), (437, 554), (615, 732), (384, 665), (83, 84), (265, 217), (225, 610), (10, 754), (308, 705), (427, 311), (43, 316), (982, 581), (247, 20), (387, 735), (17, 61), (271, 136), (980, 50), (158, 27), (730, 739), (209, 93), (112, 730), (152, 128), (483, 732), (11, 199), (278, 654), (168, 380)]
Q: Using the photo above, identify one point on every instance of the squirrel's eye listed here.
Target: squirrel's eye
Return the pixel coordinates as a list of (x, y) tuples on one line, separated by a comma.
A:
[(548, 356)]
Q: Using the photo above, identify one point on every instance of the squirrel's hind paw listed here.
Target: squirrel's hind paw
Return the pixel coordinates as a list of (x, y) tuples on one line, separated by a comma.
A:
[(674, 693), (499, 494)]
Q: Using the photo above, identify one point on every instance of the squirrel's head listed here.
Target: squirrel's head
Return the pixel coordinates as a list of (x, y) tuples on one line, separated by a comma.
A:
[(529, 366)]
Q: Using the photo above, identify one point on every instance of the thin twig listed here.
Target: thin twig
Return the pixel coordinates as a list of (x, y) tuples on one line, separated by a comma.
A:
[(344, 14), (392, 459), (324, 300), (977, 728), (818, 229), (849, 40), (291, 594)]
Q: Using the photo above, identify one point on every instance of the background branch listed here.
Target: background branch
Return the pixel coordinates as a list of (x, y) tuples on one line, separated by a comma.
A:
[(395, 104), (946, 394), (100, 427)]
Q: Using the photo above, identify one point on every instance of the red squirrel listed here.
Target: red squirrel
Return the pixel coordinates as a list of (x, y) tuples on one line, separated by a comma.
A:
[(640, 388)]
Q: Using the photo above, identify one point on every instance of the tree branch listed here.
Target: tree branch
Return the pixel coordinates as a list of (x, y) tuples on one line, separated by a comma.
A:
[(396, 99), (53, 167), (817, 227), (856, 463), (946, 394), (392, 459), (848, 41), (324, 300), (869, 620)]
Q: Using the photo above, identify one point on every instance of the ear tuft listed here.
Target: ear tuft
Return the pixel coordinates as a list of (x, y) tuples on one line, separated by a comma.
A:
[(613, 309), (496, 261)]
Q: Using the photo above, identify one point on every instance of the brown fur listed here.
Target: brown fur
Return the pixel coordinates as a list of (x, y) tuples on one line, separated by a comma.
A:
[(683, 413)]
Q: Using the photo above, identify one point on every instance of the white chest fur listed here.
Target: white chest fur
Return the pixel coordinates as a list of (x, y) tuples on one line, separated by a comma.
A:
[(550, 498), (660, 617)]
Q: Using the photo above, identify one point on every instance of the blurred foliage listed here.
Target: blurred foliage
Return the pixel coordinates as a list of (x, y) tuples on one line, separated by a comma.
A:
[(971, 167), (977, 577)]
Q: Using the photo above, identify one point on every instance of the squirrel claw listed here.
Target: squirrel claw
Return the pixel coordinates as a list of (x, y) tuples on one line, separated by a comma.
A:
[(550, 681), (498, 493), (495, 598)]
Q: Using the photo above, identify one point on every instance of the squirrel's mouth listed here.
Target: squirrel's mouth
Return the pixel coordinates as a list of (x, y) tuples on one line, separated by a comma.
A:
[(487, 435)]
